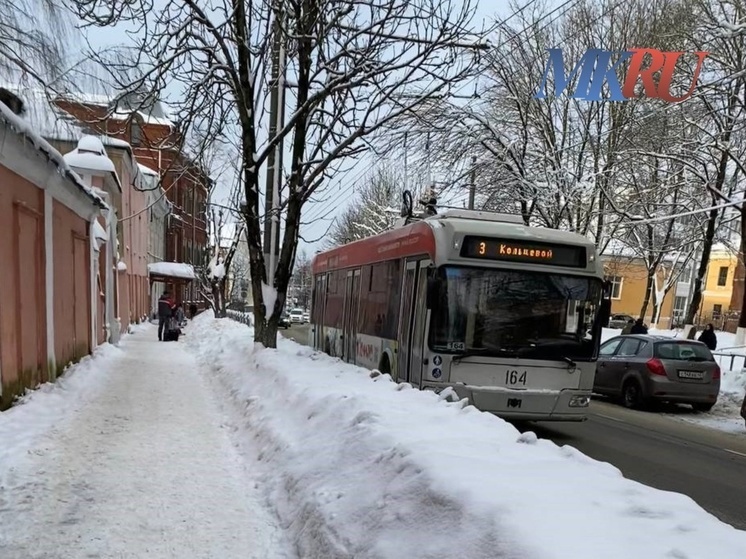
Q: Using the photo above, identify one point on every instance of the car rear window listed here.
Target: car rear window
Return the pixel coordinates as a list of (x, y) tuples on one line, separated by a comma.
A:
[(683, 351)]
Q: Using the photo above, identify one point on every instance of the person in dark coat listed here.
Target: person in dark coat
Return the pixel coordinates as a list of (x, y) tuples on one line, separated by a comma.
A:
[(708, 337), (628, 327), (639, 327), (165, 311)]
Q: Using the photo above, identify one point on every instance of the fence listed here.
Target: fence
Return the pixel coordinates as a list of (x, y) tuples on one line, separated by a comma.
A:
[(242, 317), (730, 361)]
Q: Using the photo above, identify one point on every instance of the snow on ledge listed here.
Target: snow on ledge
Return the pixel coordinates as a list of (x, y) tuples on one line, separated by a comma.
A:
[(172, 269), (26, 129), (121, 266), (369, 468)]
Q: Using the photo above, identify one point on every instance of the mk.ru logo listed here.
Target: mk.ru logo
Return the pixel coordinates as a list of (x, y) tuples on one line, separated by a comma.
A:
[(596, 68)]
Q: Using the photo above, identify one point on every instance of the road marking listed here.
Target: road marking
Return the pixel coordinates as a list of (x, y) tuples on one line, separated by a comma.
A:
[(609, 417), (735, 452)]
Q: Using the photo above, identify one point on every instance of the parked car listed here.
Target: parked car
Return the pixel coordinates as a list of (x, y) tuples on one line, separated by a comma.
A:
[(619, 320), (644, 368), (284, 321), (306, 316), (296, 316)]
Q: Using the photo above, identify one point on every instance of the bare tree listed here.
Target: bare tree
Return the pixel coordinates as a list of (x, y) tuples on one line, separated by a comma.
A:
[(34, 37), (351, 68), (374, 209)]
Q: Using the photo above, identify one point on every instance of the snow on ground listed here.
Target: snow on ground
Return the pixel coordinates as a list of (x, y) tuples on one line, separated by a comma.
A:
[(129, 456), (369, 469), (726, 415)]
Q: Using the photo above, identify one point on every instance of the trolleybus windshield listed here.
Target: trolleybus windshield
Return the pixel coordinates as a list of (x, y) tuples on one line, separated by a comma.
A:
[(494, 312)]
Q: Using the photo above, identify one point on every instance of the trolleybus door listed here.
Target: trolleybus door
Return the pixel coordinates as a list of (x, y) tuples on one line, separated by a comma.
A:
[(318, 308), (412, 322), (352, 299), (406, 317), (419, 326)]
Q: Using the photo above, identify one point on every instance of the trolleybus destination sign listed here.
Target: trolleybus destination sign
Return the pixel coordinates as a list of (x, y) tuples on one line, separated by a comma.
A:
[(522, 251)]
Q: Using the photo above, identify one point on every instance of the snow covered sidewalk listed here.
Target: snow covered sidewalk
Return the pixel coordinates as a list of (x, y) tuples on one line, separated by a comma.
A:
[(129, 457)]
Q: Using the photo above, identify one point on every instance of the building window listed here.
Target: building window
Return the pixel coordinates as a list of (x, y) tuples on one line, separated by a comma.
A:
[(717, 310), (616, 286), (723, 276), (679, 308), (686, 275), (135, 132)]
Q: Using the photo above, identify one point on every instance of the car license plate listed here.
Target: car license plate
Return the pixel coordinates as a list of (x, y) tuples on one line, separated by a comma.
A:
[(696, 375)]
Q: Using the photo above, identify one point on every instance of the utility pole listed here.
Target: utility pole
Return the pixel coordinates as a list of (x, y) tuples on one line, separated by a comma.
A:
[(473, 183), (274, 161)]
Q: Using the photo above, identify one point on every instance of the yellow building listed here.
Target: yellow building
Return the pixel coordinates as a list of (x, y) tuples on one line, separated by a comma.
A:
[(718, 287), (628, 275)]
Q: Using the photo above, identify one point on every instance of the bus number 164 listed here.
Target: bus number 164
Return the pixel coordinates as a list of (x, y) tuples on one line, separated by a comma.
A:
[(514, 377)]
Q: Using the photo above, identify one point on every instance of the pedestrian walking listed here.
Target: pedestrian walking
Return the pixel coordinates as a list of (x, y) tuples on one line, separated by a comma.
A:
[(165, 311), (708, 337)]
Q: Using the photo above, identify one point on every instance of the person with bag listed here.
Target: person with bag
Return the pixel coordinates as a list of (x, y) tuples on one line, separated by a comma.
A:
[(166, 306)]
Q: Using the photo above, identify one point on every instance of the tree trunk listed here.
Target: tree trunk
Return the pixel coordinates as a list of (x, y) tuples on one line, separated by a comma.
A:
[(656, 313), (648, 289), (702, 269), (742, 253)]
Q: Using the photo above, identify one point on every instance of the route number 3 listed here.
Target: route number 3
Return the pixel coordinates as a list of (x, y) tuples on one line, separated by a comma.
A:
[(514, 377), (482, 248)]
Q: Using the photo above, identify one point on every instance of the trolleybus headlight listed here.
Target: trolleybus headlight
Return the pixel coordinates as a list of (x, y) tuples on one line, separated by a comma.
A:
[(579, 401)]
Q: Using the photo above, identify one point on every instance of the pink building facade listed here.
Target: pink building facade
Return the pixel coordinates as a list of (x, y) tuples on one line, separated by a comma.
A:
[(48, 223)]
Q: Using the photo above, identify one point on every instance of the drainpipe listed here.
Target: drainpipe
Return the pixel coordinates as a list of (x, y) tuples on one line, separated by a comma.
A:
[(93, 259)]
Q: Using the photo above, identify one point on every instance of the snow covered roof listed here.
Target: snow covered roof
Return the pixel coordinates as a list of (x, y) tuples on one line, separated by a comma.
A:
[(51, 122), (147, 170), (172, 269), (127, 105), (90, 155), (27, 130)]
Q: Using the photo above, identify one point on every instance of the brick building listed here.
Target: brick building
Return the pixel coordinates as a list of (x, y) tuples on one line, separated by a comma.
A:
[(155, 141)]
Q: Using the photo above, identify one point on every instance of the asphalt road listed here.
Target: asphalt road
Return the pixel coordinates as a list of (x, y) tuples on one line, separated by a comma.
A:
[(709, 466)]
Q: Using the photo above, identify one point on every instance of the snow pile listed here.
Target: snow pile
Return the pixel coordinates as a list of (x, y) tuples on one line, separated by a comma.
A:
[(369, 469), (171, 269)]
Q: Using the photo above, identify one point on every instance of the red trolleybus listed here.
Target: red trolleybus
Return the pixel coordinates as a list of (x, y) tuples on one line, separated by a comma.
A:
[(508, 316)]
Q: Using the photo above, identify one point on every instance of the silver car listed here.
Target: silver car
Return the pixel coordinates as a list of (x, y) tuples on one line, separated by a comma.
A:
[(644, 368)]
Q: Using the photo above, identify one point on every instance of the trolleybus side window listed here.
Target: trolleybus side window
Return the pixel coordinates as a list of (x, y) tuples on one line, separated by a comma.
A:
[(335, 299), (379, 299), (518, 313)]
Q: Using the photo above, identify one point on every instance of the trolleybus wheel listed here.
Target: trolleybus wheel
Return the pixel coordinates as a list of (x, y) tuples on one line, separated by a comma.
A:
[(385, 367)]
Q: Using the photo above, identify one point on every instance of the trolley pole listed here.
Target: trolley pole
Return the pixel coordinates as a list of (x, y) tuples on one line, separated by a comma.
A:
[(274, 161), (473, 182)]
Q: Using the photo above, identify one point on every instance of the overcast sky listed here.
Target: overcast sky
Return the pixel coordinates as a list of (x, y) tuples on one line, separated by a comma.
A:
[(339, 193)]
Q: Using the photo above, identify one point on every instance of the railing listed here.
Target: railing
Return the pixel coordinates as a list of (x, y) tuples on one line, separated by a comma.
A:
[(242, 317), (730, 358)]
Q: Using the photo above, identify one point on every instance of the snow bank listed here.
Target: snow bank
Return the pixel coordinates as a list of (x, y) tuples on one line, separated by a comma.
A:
[(370, 469)]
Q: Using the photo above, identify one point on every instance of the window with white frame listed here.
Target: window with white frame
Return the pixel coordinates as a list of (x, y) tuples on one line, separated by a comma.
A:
[(616, 286)]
